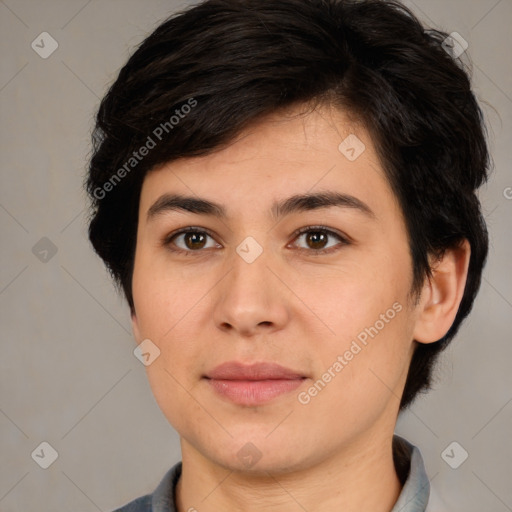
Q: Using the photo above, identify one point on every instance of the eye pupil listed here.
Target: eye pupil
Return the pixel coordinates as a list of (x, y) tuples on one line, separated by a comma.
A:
[(194, 238), (316, 237)]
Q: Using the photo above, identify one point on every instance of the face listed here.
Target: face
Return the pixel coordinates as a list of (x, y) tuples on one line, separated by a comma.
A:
[(319, 287)]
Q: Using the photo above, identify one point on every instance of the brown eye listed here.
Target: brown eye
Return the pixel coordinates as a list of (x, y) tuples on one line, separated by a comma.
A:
[(194, 240), (317, 240), (189, 240)]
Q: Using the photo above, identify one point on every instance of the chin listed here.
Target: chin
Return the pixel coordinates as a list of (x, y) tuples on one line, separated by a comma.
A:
[(261, 456)]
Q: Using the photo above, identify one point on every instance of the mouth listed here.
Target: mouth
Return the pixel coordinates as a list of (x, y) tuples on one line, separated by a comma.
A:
[(253, 384)]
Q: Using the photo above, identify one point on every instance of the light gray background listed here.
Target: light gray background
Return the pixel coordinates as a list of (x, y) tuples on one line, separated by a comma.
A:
[(68, 374)]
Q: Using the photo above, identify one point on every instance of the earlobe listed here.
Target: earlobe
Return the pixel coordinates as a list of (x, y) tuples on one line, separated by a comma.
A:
[(442, 293)]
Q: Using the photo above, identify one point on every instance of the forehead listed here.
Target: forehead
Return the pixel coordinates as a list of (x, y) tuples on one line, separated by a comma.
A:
[(279, 156)]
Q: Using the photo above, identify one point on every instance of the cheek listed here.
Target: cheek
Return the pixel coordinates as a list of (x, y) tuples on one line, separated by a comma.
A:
[(350, 298), (168, 308), (369, 370), (163, 297), (166, 315), (368, 312)]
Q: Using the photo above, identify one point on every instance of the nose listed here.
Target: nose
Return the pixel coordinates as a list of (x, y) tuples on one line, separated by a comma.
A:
[(251, 299)]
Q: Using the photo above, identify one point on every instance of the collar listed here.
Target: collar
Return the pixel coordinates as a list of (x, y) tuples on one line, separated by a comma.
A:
[(416, 488)]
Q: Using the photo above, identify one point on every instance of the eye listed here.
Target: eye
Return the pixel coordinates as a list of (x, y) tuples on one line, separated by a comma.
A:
[(189, 240), (193, 239), (317, 239)]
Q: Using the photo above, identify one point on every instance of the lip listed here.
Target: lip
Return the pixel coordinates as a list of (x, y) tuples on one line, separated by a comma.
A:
[(233, 370), (253, 384)]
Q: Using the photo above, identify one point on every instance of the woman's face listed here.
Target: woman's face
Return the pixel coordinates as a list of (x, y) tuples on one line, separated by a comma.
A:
[(248, 288)]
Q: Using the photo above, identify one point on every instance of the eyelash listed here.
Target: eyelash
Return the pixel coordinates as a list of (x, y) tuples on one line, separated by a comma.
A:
[(322, 229)]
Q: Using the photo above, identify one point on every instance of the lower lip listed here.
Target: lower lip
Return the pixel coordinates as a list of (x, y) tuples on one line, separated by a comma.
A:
[(253, 392)]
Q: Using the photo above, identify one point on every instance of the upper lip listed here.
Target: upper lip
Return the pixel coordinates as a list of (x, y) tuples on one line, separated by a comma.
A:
[(233, 370)]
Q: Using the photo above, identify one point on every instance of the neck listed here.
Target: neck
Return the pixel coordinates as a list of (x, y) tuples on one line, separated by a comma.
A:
[(359, 477)]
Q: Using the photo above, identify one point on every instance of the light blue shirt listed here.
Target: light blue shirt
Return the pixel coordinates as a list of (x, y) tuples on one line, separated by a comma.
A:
[(414, 496)]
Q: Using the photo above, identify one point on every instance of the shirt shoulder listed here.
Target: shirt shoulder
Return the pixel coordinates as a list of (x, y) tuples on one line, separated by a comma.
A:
[(142, 504), (162, 499)]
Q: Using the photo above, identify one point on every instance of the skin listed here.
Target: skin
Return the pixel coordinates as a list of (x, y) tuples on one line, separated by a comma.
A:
[(291, 307)]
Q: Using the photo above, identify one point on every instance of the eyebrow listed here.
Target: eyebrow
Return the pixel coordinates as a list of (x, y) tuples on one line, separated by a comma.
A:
[(294, 204)]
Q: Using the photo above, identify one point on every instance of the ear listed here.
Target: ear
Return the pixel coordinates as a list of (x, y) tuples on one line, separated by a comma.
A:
[(135, 327), (442, 293)]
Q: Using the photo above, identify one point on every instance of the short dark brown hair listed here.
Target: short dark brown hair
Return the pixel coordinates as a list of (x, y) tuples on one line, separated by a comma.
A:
[(209, 71)]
